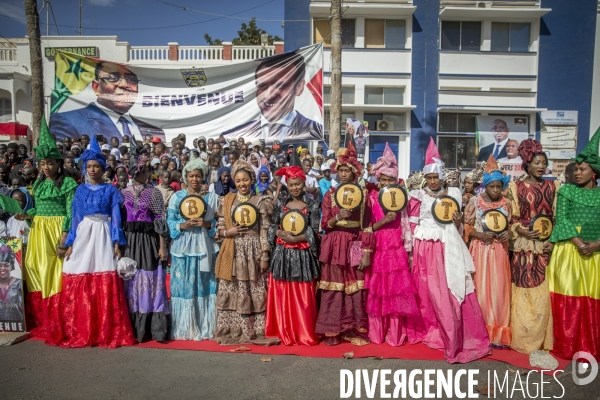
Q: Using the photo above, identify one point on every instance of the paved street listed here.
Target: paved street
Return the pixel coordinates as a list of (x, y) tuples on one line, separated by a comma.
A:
[(32, 370)]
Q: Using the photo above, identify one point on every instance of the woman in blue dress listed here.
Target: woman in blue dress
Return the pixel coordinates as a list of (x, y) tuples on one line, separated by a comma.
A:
[(193, 255)]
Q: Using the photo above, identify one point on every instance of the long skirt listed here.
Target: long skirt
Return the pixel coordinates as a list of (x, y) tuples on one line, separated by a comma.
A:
[(531, 308), (457, 328), (394, 315), (292, 312), (242, 301), (146, 291), (574, 283), (43, 276), (93, 303), (492, 287), (193, 299)]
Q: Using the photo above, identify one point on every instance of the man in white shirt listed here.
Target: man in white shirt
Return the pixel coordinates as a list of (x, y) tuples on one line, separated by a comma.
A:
[(512, 153)]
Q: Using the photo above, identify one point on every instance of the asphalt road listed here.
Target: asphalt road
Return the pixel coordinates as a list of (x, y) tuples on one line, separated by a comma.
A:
[(32, 370)]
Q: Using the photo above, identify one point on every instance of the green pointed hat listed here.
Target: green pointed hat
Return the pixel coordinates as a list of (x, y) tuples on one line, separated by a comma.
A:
[(47, 146), (590, 153)]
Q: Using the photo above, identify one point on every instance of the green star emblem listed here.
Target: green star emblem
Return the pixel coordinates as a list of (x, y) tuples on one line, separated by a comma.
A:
[(75, 67)]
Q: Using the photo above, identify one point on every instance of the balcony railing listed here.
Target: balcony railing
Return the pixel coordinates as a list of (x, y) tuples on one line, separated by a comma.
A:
[(252, 52), (192, 53), (149, 53), (490, 3), (8, 55), (211, 54)]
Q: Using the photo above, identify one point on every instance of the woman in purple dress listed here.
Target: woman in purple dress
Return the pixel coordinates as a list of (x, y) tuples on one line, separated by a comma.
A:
[(145, 229)]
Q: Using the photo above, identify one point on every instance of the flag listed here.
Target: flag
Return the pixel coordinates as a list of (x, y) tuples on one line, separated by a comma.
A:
[(72, 74)]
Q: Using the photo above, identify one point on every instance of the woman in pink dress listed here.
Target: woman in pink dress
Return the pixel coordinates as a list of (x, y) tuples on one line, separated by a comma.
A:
[(391, 303), (442, 268)]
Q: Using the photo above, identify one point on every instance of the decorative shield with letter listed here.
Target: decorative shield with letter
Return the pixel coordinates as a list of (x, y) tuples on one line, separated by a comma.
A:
[(494, 221), (245, 214), (443, 208), (294, 222), (348, 196), (193, 206), (393, 198), (542, 224)]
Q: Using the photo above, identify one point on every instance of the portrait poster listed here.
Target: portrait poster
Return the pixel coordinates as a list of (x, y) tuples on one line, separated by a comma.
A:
[(501, 136), (274, 98), (12, 308), (357, 132)]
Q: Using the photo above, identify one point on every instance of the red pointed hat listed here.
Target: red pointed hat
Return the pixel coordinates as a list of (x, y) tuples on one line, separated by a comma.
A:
[(433, 161)]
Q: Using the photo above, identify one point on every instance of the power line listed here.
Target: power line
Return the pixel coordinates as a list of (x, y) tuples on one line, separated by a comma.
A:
[(158, 27)]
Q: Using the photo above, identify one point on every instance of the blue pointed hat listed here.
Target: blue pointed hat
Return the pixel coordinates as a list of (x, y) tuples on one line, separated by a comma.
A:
[(93, 153)]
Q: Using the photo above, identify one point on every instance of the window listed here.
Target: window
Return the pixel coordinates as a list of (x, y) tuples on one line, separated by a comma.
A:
[(461, 35), (5, 110), (384, 95), (457, 123), (347, 94), (457, 151), (322, 32), (510, 36), (396, 122), (385, 33), (327, 116)]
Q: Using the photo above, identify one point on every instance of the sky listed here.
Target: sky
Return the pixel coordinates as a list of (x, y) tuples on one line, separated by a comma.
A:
[(148, 22)]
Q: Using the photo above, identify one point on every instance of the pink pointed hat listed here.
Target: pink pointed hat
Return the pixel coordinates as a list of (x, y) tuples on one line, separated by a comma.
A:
[(386, 164), (433, 161)]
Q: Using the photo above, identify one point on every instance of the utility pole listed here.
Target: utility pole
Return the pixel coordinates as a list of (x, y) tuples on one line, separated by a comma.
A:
[(37, 73), (335, 110)]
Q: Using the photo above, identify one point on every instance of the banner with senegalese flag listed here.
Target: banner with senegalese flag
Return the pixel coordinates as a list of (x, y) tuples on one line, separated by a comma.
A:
[(72, 74)]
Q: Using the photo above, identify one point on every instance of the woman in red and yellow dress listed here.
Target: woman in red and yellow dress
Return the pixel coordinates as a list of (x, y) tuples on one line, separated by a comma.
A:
[(574, 270)]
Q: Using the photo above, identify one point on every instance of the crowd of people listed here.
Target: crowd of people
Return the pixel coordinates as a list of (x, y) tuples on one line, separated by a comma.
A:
[(111, 259)]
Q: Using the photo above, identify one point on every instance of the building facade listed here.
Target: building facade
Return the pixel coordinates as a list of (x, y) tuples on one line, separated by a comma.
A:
[(416, 69)]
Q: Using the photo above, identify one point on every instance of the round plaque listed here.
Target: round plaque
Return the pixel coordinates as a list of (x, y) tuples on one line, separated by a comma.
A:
[(245, 214), (348, 196), (294, 222), (193, 206), (542, 224), (393, 198), (443, 208), (494, 221)]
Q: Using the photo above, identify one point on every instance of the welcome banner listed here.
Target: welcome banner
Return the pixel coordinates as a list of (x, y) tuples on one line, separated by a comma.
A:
[(274, 98)]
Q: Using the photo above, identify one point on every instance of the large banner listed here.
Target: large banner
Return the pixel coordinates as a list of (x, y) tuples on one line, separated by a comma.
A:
[(501, 136), (274, 98), (12, 309)]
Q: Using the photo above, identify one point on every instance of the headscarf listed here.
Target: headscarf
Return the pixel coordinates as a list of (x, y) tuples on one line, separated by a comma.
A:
[(590, 153), (433, 161), (257, 156), (415, 181), (291, 173), (242, 165), (259, 185), (195, 163), (140, 163), (28, 197), (47, 147), (476, 174), (492, 173), (528, 149), (222, 189), (453, 177), (348, 158), (92, 153), (386, 164)]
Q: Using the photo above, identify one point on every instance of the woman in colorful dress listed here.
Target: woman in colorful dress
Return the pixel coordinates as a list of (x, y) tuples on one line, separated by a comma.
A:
[(490, 254), (53, 193), (193, 254), (145, 232), (441, 269), (343, 297), (93, 303), (242, 265), (291, 300), (573, 273), (391, 303), (531, 308)]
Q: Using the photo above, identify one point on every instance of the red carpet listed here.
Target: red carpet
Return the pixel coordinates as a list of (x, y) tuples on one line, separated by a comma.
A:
[(406, 352)]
